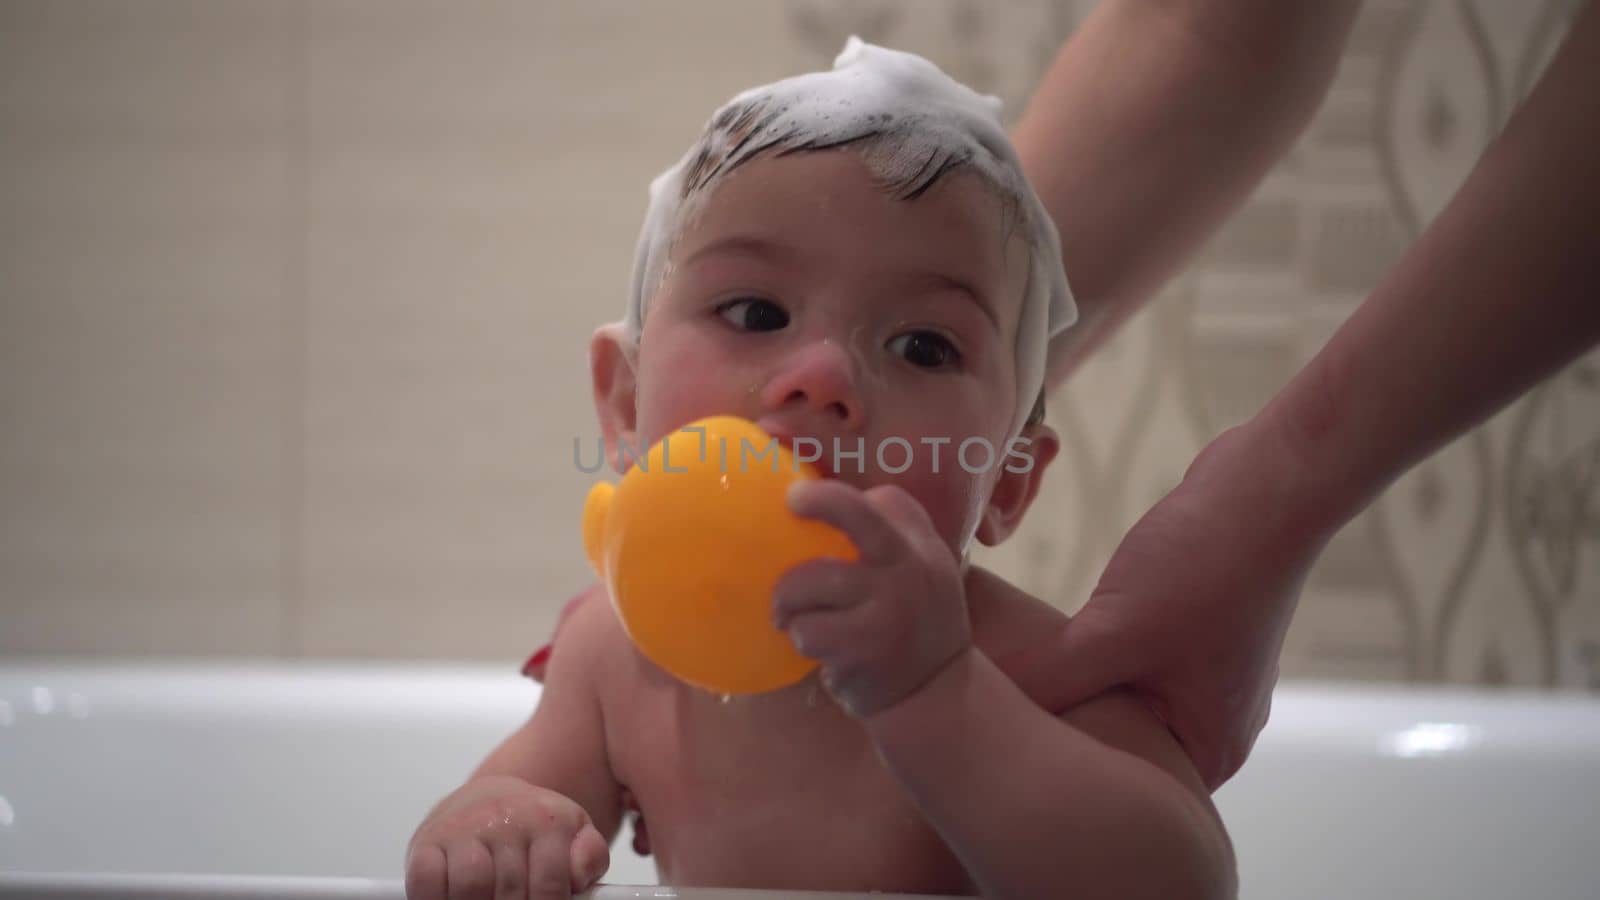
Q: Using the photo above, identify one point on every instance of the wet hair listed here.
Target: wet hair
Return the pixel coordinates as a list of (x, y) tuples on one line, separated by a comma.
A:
[(913, 126), (754, 127)]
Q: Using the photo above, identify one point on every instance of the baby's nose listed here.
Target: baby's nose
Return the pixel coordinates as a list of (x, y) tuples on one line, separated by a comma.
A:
[(820, 377)]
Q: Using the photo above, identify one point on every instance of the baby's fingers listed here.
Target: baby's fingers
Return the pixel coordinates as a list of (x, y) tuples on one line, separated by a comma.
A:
[(838, 637), (847, 509), (469, 866), (550, 867), (425, 874), (591, 857), (510, 871), (814, 586)]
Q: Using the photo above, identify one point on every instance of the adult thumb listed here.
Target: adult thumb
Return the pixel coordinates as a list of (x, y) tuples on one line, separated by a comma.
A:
[(1078, 661)]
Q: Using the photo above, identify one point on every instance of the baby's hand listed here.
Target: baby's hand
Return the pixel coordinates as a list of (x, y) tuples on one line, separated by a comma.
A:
[(881, 627), (499, 836)]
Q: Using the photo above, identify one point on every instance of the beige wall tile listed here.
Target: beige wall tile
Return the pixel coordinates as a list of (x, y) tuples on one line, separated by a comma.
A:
[(477, 183), (442, 629), (142, 339), (233, 624)]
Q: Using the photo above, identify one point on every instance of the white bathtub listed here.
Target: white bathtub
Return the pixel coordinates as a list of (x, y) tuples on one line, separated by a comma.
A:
[(298, 780)]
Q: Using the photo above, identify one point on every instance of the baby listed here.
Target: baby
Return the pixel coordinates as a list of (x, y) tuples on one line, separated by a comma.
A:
[(848, 258)]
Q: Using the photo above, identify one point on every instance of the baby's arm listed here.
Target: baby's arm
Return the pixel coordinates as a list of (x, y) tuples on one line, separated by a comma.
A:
[(562, 746), (536, 818), (1101, 799)]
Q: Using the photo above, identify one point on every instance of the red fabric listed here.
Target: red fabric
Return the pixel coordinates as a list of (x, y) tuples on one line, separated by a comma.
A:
[(539, 662), (536, 664)]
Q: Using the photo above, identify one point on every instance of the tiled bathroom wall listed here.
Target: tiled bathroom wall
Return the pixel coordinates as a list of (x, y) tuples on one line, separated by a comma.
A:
[(295, 300)]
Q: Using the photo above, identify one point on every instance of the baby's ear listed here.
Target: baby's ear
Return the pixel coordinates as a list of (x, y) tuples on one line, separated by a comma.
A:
[(611, 365), (1021, 472)]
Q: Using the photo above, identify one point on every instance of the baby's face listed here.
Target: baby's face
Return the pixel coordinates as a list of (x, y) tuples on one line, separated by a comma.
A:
[(805, 299)]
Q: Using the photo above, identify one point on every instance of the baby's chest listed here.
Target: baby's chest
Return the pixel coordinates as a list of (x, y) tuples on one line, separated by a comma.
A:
[(780, 791)]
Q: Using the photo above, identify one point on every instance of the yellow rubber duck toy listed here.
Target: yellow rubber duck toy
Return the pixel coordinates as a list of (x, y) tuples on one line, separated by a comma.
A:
[(691, 542)]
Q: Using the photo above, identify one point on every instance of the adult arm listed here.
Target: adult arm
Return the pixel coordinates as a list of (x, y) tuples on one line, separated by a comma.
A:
[(1153, 124), (1498, 293)]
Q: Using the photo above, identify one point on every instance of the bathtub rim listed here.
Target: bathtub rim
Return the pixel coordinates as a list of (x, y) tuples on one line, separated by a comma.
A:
[(186, 886)]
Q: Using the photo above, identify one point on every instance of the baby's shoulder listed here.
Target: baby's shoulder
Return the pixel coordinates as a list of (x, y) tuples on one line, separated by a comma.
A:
[(1004, 616), (586, 634)]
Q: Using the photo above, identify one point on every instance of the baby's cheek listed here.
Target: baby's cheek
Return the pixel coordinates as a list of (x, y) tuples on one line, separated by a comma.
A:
[(952, 496), (680, 381)]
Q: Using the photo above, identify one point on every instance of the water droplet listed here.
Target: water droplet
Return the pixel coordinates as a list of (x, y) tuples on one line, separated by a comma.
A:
[(44, 702), (811, 695), (726, 699)]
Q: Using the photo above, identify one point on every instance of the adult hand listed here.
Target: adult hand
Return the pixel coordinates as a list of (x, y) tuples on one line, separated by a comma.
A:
[(1192, 609)]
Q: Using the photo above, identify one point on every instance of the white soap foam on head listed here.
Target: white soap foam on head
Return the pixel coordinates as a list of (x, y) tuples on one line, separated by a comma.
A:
[(912, 124)]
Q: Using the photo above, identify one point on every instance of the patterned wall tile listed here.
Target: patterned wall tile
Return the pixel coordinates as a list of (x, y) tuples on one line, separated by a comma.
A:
[(1352, 245), (1552, 513)]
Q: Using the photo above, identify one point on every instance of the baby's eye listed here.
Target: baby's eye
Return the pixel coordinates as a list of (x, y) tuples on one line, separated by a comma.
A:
[(754, 314), (927, 349)]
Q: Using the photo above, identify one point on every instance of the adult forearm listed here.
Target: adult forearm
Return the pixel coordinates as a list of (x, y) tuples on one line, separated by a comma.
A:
[(1031, 805), (1498, 293), (1156, 120)]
